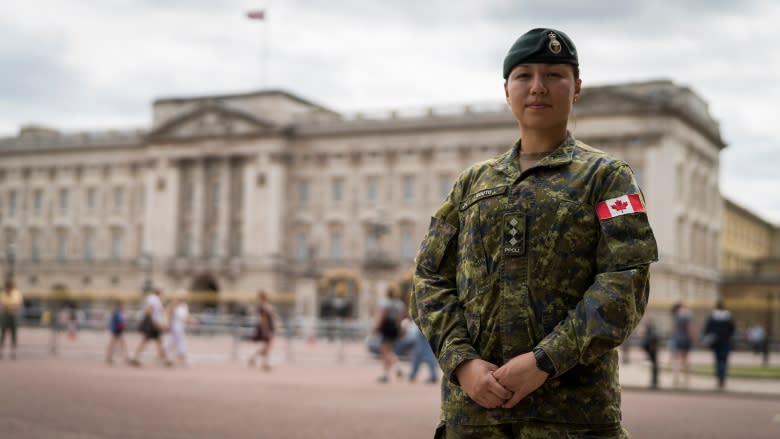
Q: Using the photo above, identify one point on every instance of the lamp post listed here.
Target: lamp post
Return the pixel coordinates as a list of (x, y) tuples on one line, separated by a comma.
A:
[(10, 259), (147, 261)]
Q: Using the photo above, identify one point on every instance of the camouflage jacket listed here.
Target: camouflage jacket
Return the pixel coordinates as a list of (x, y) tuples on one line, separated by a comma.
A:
[(516, 260)]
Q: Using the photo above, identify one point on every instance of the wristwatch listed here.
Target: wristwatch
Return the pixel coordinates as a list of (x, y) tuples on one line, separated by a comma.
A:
[(543, 362)]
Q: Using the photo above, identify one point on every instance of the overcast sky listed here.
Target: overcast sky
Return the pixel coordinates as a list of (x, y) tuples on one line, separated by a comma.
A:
[(94, 64)]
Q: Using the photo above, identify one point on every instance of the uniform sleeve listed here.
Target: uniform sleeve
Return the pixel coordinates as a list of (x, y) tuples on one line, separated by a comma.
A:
[(434, 305), (614, 304)]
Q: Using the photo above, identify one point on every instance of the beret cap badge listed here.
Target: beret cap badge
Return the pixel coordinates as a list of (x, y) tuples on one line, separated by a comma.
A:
[(554, 45), (540, 45)]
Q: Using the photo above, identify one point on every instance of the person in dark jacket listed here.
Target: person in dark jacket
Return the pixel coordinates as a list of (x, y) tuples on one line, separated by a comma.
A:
[(650, 341), (718, 333)]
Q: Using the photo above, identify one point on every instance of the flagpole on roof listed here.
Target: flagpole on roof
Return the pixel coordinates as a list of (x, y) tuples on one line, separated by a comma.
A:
[(260, 14)]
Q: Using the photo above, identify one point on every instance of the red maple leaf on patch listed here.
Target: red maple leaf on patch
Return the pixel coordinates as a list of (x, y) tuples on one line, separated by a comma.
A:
[(619, 205)]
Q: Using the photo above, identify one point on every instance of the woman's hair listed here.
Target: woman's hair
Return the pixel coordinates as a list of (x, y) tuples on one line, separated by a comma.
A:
[(676, 307)]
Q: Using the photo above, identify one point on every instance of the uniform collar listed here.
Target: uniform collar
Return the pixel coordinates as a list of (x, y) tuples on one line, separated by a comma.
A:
[(561, 155)]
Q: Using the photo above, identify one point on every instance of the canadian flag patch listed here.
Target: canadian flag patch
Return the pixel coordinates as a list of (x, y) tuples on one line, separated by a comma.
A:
[(623, 205)]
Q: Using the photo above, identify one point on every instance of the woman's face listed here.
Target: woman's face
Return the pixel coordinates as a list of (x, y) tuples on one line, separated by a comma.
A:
[(541, 95)]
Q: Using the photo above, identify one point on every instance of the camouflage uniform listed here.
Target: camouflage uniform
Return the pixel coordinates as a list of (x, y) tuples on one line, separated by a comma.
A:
[(516, 260), (527, 430)]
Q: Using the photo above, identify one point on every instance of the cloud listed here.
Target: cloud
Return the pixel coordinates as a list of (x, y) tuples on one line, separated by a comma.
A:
[(85, 64), (32, 69)]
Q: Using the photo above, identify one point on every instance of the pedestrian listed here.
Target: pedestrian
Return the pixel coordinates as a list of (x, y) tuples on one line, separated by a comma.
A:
[(421, 353), (11, 302), (116, 327), (680, 343), (152, 327), (73, 323), (388, 325), (650, 340), (179, 318), (264, 330), (719, 331), (535, 269), (759, 342)]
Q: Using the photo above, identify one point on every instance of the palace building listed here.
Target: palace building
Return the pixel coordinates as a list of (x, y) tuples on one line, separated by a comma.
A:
[(228, 194), (750, 268)]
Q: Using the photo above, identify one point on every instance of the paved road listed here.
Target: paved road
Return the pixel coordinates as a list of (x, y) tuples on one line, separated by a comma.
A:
[(310, 394)]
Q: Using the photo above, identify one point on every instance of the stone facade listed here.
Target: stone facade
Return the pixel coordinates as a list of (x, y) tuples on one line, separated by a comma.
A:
[(267, 190), (751, 268)]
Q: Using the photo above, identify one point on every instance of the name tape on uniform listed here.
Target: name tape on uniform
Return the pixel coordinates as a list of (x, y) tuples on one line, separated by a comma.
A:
[(623, 205)]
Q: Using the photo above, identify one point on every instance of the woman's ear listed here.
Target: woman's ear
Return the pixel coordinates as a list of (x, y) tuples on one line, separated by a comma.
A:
[(577, 89)]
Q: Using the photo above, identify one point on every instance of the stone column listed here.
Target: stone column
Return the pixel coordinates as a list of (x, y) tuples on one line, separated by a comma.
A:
[(252, 211), (198, 189), (274, 205), (223, 206), (160, 212)]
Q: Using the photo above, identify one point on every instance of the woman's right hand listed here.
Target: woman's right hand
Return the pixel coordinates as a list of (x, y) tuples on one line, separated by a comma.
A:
[(476, 379)]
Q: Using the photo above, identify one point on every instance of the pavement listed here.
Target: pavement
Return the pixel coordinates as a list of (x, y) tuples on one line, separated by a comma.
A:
[(317, 389), (634, 374)]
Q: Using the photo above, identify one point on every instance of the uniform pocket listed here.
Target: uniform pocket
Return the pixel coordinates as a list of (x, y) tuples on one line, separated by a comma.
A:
[(435, 244), (630, 240), (577, 229)]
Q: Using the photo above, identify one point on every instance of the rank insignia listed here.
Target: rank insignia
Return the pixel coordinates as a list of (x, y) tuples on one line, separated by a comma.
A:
[(514, 234)]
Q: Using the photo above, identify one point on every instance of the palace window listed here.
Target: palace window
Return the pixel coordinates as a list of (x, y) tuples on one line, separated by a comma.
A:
[(407, 188), (38, 201), (372, 190), (304, 189), (64, 198), (91, 199), (119, 198), (12, 203), (338, 191), (116, 244)]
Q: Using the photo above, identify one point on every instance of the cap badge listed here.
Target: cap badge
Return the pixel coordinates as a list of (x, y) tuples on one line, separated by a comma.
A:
[(554, 45)]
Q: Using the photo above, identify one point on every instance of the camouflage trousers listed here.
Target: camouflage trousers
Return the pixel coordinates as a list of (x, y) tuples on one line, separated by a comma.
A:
[(529, 430)]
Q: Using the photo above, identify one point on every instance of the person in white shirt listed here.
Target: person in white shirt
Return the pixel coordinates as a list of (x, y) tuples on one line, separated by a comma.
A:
[(179, 317)]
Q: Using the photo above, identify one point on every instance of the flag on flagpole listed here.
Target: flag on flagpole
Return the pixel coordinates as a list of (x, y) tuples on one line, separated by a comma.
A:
[(258, 14)]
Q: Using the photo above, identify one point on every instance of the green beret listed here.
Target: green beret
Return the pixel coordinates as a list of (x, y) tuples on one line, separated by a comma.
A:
[(545, 46)]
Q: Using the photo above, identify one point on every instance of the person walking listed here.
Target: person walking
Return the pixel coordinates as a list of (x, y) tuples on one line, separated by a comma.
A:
[(719, 332), (11, 302), (264, 331), (116, 327), (534, 270), (680, 343), (759, 342), (421, 353), (388, 325), (179, 318), (152, 327), (650, 340)]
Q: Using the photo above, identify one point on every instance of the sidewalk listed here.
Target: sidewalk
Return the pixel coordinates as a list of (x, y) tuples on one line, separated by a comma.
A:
[(636, 375)]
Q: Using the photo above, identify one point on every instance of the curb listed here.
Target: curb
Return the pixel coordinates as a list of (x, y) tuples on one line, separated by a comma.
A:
[(739, 394)]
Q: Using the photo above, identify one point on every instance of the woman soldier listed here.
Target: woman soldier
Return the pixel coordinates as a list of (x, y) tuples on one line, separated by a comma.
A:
[(535, 268)]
